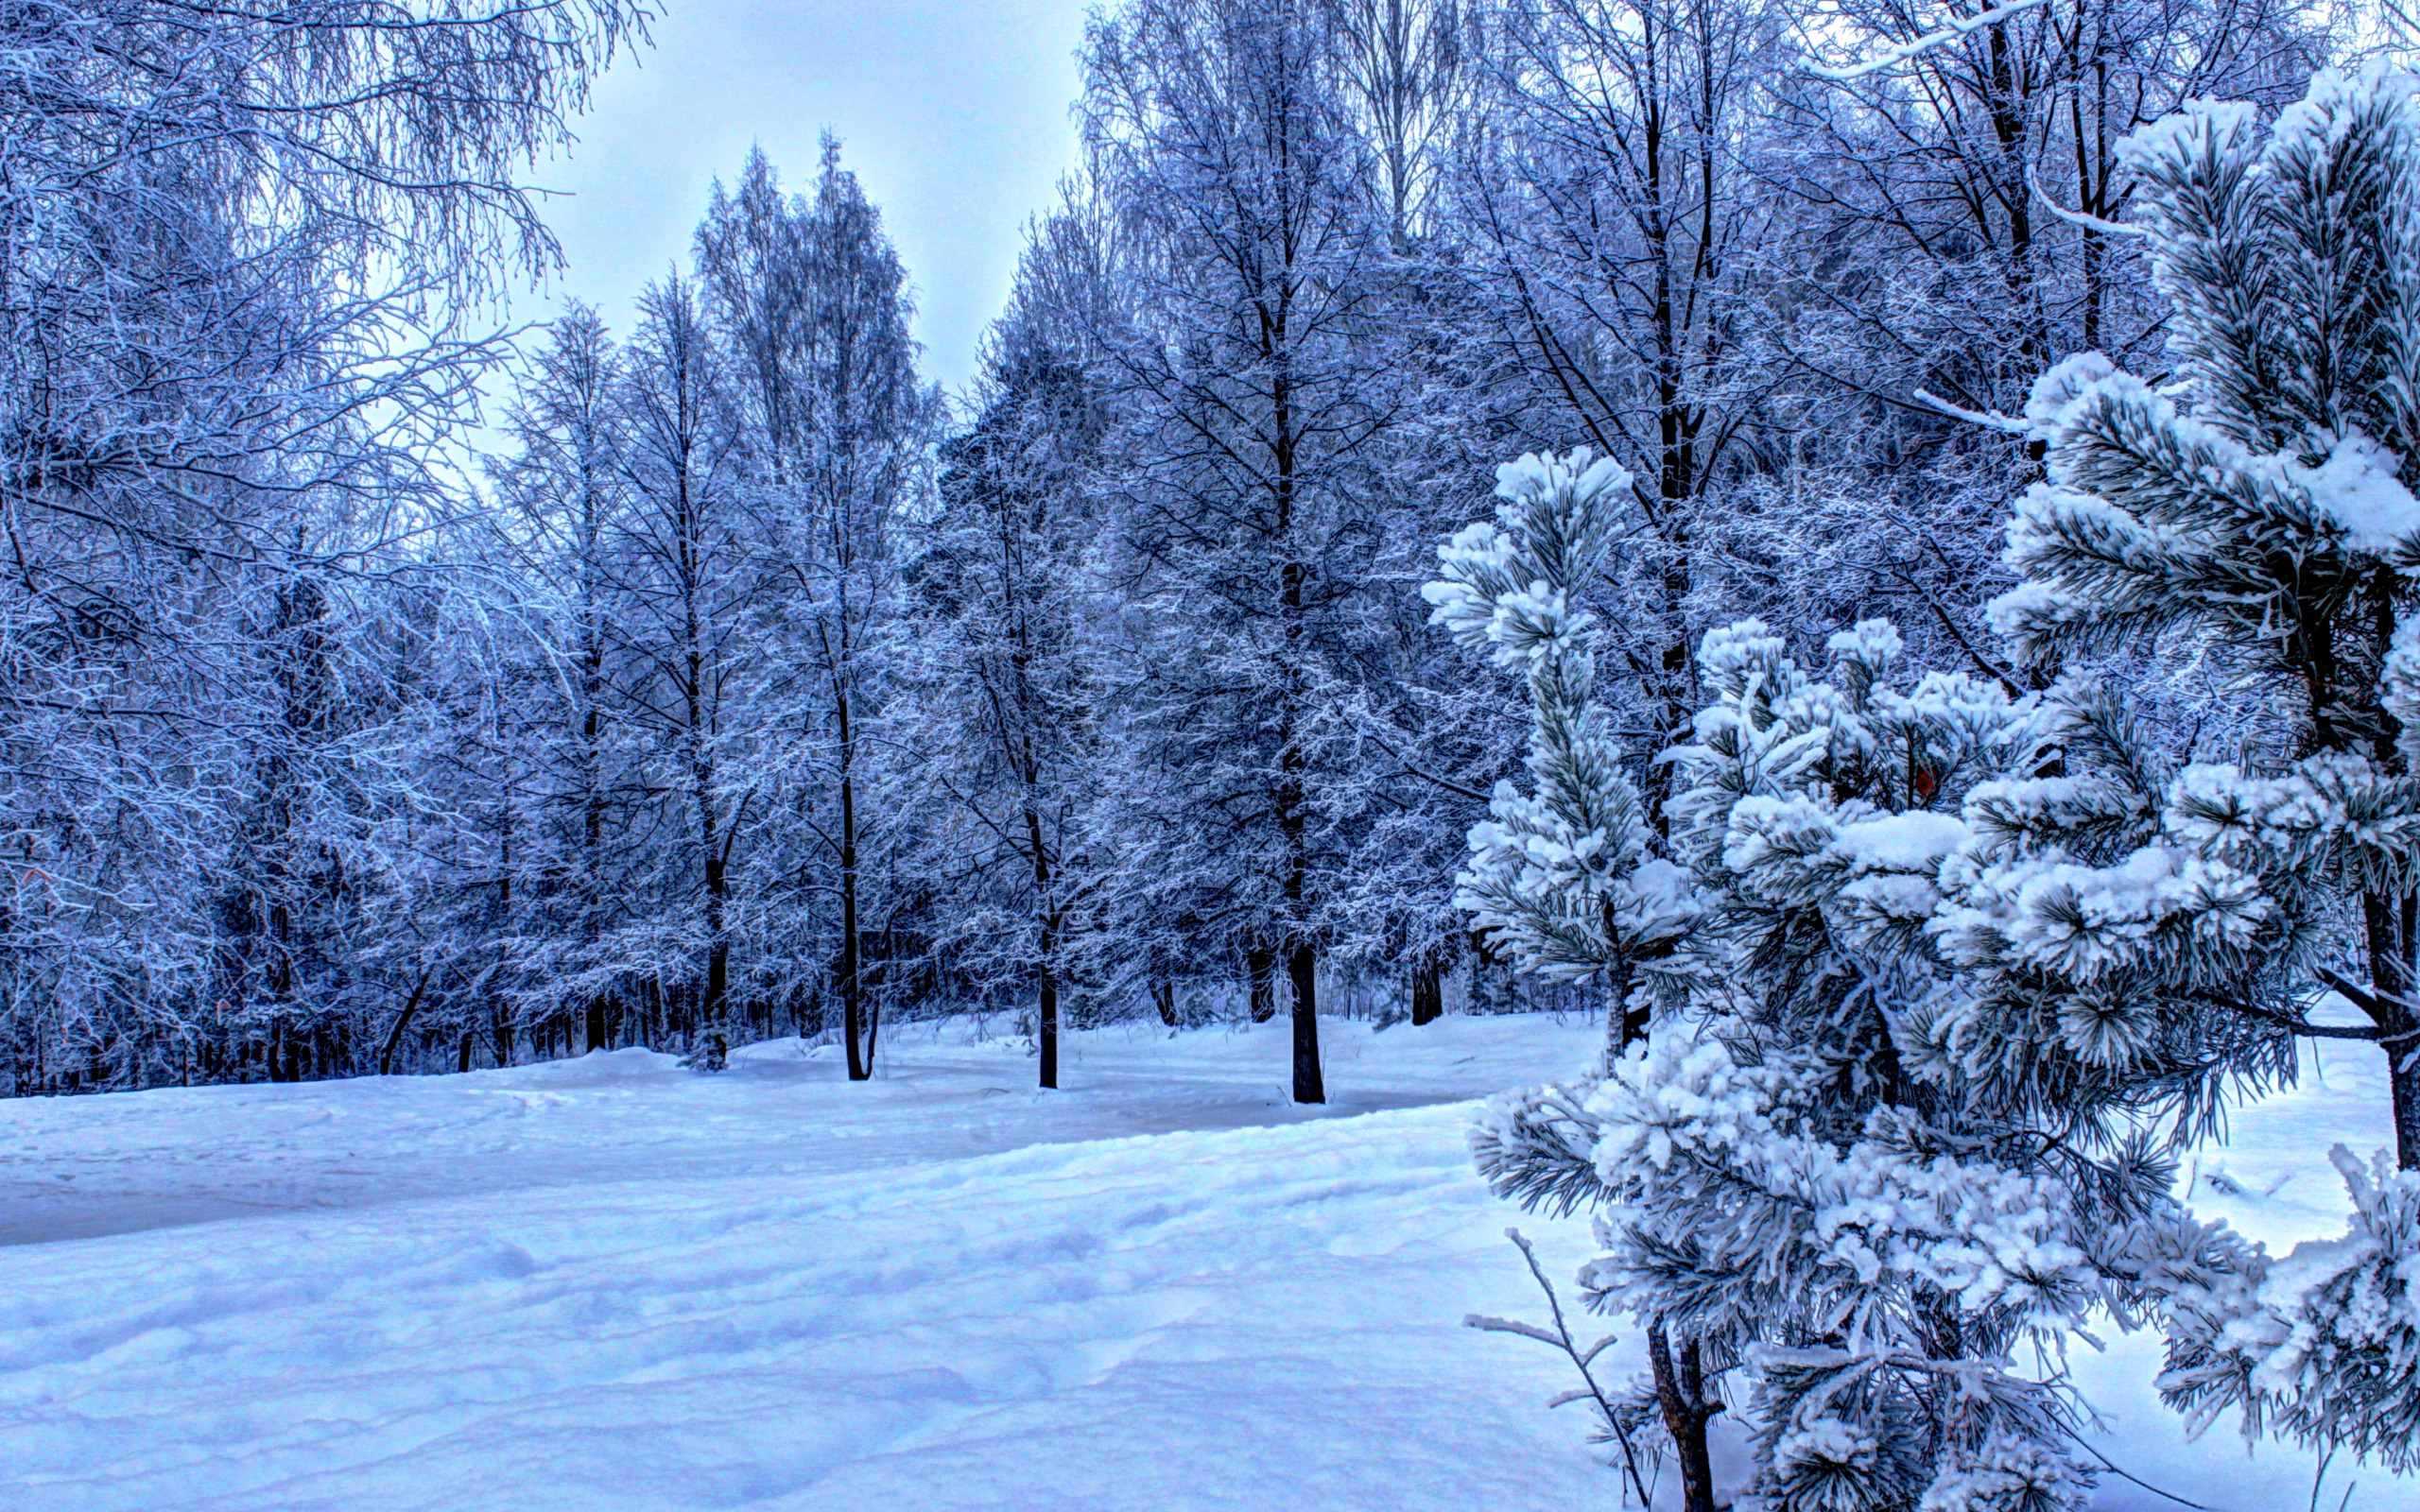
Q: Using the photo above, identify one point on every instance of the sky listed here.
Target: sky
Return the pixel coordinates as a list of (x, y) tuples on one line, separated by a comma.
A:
[(953, 113)]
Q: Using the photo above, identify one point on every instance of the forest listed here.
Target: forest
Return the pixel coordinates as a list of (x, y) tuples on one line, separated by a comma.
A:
[(740, 684), (1870, 546)]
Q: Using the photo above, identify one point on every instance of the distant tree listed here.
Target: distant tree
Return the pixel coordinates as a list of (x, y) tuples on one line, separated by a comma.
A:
[(1951, 211), (691, 565), (812, 303), (1253, 392), (246, 247), (568, 498), (1610, 221), (1005, 578)]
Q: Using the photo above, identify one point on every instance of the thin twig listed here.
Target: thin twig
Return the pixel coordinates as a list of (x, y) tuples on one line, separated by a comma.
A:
[(2109, 1465), (1561, 1339)]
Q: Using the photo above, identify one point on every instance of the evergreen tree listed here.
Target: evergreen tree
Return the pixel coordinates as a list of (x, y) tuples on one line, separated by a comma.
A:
[(1790, 1189), (2148, 929), (1564, 879)]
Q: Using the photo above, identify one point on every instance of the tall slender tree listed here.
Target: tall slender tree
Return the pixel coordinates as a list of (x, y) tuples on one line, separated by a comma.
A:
[(813, 305), (692, 563), (1255, 401), (1004, 574)]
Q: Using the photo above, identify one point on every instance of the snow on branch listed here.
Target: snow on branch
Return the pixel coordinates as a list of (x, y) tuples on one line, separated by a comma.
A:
[(2077, 217), (1990, 417), (1958, 26)]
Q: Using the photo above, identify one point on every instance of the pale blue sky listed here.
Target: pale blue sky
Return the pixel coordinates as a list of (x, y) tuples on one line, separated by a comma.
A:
[(954, 113)]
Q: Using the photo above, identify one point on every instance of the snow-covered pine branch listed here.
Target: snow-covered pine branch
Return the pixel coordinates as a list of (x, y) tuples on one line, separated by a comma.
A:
[(1789, 1175), (2163, 927)]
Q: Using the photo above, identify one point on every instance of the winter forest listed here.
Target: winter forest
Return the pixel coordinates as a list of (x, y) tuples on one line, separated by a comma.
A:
[(1833, 586)]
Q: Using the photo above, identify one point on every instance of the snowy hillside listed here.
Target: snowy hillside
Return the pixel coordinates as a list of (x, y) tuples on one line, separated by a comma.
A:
[(610, 1284)]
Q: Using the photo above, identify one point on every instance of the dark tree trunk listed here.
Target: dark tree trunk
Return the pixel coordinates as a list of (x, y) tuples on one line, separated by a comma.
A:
[(1164, 999), (2392, 922), (709, 1013), (713, 846), (1427, 994), (1048, 1028), (1301, 965), (1046, 971), (402, 1020), (854, 1024), (1625, 1025), (1681, 1399)]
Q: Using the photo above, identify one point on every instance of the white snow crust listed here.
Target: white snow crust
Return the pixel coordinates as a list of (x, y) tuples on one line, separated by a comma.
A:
[(609, 1283)]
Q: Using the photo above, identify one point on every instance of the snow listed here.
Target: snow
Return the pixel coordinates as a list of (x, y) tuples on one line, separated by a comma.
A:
[(1536, 473), (1875, 642), (2054, 394), (610, 1284), (1912, 841), (2357, 488), (2184, 135)]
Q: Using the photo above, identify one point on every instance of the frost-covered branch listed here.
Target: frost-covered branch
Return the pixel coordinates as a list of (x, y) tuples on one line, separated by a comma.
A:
[(1955, 28)]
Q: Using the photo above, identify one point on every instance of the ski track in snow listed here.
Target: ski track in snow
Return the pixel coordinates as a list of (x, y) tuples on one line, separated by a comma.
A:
[(609, 1283)]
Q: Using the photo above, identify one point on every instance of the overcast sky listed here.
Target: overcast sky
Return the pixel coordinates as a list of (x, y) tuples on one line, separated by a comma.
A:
[(954, 113)]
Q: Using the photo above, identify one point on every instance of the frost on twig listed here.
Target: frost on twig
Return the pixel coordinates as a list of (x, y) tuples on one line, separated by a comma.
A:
[(1610, 1414)]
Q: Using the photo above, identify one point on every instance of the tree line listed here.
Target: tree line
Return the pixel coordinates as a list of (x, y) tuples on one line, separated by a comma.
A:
[(753, 687)]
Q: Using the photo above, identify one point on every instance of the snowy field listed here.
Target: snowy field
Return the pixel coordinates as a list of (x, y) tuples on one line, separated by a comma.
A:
[(609, 1283)]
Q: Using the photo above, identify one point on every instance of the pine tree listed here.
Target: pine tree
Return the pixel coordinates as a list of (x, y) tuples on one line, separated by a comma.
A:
[(1562, 879), (1789, 1184), (2145, 933)]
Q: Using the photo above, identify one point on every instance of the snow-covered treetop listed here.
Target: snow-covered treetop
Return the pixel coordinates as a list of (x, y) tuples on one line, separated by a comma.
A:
[(1562, 877)]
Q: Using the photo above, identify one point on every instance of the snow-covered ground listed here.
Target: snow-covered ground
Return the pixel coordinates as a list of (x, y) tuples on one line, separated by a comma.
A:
[(609, 1283)]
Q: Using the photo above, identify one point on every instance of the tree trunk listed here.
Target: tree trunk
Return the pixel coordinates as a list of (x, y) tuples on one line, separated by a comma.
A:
[(2392, 922), (1047, 1027), (1624, 1025), (1047, 1019), (1164, 999), (859, 1033), (709, 1013), (711, 840), (592, 750), (1679, 1397), (1301, 964), (1427, 994), (402, 1020)]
